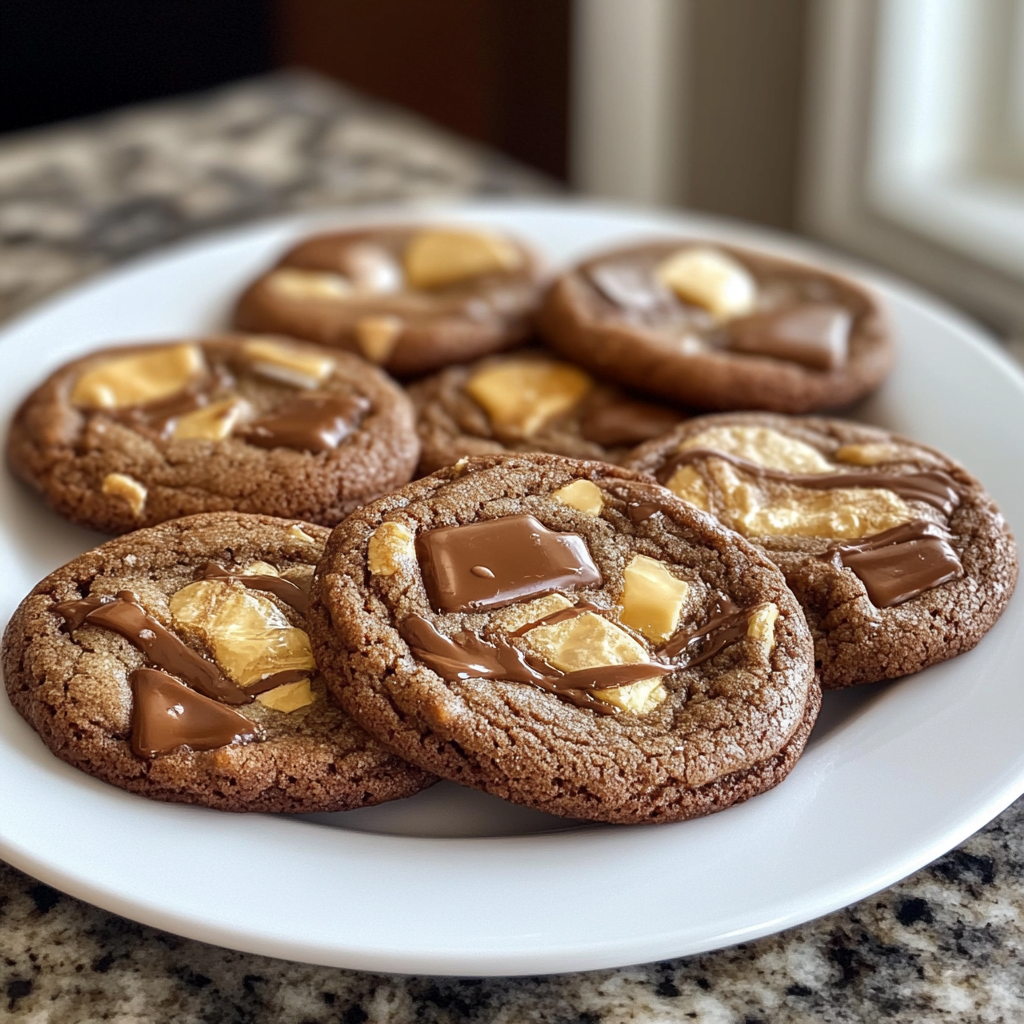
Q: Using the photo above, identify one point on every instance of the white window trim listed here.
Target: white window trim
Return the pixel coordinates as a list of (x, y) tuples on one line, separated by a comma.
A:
[(885, 173)]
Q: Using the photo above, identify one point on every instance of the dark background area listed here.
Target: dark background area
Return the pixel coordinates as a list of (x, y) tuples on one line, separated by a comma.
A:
[(493, 70)]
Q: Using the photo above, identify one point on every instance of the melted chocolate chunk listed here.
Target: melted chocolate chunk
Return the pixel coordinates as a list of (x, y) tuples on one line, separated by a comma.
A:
[(276, 679), (291, 593), (167, 715), (126, 617), (900, 563), (727, 624), (525, 558), (933, 487), (314, 422), (815, 335), (630, 286), (627, 422), (468, 656)]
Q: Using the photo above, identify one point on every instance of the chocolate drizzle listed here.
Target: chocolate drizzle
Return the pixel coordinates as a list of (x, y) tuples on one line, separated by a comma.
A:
[(167, 715), (900, 563), (468, 656), (315, 422), (933, 487), (523, 558), (126, 617), (728, 623), (291, 593), (276, 679)]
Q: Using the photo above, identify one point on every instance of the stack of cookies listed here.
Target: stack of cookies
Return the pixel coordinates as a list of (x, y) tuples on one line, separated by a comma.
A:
[(592, 555)]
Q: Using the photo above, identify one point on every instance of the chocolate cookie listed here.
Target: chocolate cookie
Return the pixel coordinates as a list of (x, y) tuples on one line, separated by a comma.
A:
[(567, 636), (529, 402), (718, 327), (898, 556), (129, 437), (411, 299), (174, 663)]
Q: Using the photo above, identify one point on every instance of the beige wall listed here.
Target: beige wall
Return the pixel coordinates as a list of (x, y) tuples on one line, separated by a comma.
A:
[(746, 60)]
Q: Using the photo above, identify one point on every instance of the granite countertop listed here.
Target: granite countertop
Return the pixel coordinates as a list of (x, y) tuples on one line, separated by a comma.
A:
[(942, 945)]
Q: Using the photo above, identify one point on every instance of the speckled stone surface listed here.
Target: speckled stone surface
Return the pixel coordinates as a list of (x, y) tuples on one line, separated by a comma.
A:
[(947, 944)]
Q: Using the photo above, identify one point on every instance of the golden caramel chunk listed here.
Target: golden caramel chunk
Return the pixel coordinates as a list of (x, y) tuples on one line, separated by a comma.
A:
[(391, 545), (587, 641), (590, 640), (250, 637), (377, 336), (120, 486), (762, 624), (261, 569), (846, 513), (288, 697), (212, 423), (689, 485), (583, 642), (133, 380), (582, 495), (298, 533), (308, 285), (637, 697), (522, 395), (871, 454), (763, 446), (438, 257), (709, 278), (652, 598), (301, 369)]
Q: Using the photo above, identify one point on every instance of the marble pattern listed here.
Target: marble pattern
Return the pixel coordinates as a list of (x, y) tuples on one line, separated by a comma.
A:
[(944, 945)]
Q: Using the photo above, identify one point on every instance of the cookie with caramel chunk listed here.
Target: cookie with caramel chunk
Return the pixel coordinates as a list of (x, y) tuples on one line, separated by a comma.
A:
[(529, 402), (411, 298), (129, 437), (568, 636), (719, 327), (174, 662), (898, 556)]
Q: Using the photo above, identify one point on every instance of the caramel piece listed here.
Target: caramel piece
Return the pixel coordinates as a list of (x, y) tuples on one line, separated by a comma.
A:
[(137, 379), (288, 697), (301, 369), (390, 547), (377, 336), (520, 396), (120, 486), (210, 423), (582, 495), (435, 258), (710, 278), (652, 597)]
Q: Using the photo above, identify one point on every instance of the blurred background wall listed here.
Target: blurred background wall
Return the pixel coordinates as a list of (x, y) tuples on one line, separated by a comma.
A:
[(891, 128)]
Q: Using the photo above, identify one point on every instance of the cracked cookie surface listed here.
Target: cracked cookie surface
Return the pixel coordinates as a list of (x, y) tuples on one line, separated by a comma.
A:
[(720, 327), (129, 437), (170, 636), (898, 556), (528, 402), (565, 635), (410, 298)]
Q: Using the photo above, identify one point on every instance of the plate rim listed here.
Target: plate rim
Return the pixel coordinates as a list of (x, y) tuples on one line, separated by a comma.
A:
[(609, 954)]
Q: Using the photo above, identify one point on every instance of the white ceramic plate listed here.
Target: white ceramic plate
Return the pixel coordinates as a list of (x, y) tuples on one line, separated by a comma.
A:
[(456, 882)]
